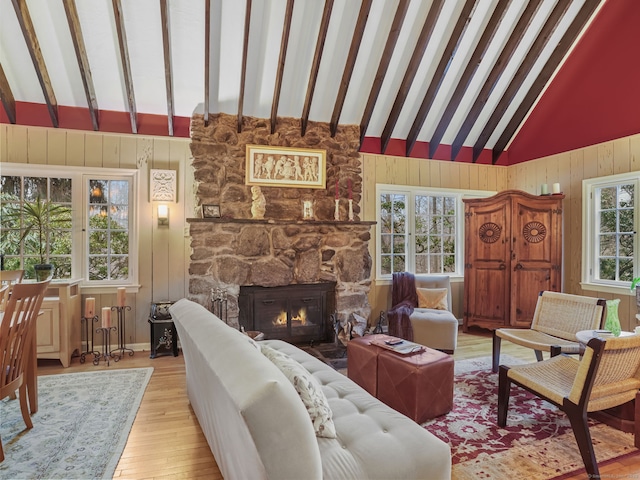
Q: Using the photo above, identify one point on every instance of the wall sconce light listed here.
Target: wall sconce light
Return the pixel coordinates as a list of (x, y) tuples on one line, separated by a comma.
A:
[(163, 215)]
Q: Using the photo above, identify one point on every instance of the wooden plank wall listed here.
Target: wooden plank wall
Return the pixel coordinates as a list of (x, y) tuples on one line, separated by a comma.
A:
[(170, 250), (164, 252), (381, 169), (569, 169)]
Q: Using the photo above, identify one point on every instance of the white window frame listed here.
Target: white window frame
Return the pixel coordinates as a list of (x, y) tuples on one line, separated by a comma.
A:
[(80, 182), (411, 192), (589, 233)]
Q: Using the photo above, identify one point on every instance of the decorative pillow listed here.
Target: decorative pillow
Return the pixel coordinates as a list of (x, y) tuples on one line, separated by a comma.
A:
[(254, 344), (309, 390), (435, 298)]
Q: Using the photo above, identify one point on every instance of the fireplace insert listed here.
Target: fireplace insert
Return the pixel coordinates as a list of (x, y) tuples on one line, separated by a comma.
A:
[(295, 313)]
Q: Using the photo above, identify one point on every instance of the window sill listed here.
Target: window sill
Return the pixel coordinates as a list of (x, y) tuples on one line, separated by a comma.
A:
[(617, 290), (99, 289), (389, 280)]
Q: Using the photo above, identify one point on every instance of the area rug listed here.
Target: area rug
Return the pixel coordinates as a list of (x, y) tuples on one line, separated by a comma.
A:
[(536, 443), (80, 429)]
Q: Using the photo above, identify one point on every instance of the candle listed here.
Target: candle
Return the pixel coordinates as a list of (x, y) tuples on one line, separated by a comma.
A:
[(349, 186), (89, 307), (106, 317), (556, 188), (337, 191), (122, 295), (544, 189)]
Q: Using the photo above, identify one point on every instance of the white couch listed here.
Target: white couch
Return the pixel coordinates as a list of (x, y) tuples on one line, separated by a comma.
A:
[(258, 428)]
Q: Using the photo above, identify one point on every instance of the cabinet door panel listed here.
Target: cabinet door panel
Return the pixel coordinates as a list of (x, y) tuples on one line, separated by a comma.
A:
[(525, 297), (487, 304), (487, 264), (536, 233), (48, 329)]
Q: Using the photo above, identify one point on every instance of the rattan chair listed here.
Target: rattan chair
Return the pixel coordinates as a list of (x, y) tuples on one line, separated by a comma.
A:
[(556, 320), (607, 375), (17, 326), (9, 278)]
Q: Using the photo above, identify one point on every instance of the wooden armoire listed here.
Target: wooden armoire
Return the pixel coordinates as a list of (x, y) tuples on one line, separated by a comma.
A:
[(513, 250)]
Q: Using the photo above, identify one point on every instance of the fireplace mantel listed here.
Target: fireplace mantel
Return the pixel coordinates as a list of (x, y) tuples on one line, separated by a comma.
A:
[(278, 222)]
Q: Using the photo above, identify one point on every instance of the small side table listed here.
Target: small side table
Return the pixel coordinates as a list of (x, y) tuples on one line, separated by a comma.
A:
[(583, 336), (164, 338)]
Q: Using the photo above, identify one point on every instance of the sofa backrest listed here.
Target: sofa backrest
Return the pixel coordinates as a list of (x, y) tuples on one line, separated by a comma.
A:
[(254, 420), (435, 281)]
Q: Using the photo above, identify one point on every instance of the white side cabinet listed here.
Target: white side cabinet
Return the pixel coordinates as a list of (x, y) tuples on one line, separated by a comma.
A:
[(58, 327)]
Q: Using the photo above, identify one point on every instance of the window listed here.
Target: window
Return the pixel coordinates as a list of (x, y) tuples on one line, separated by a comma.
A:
[(99, 244), (609, 237), (108, 229), (22, 249), (420, 230)]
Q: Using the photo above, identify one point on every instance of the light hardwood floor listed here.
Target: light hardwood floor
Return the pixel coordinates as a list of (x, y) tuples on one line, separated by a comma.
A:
[(166, 441)]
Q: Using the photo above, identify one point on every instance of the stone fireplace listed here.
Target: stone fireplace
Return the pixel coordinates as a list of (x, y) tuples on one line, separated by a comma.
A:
[(235, 251)]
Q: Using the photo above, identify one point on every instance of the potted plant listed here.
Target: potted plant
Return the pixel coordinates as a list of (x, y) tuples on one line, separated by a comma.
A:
[(38, 219)]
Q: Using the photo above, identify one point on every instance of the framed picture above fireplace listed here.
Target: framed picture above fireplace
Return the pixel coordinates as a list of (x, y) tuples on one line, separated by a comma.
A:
[(286, 167)]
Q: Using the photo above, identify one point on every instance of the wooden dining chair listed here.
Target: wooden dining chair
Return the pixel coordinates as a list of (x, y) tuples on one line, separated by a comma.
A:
[(9, 278), (17, 327)]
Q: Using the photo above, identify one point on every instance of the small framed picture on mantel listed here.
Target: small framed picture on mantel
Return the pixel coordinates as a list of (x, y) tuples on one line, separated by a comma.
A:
[(210, 211)]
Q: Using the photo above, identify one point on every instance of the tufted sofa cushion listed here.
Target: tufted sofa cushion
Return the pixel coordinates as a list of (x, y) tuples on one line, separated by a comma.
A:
[(373, 440)]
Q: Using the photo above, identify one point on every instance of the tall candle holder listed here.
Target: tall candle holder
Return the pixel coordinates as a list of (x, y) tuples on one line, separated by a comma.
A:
[(336, 211), (106, 345), (350, 210), (219, 303), (122, 347), (86, 323)]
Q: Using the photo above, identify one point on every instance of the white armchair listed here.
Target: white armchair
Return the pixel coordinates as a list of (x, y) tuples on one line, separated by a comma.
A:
[(434, 325)]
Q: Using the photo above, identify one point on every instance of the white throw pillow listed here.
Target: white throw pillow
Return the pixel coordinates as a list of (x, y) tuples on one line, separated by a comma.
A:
[(435, 298), (309, 390)]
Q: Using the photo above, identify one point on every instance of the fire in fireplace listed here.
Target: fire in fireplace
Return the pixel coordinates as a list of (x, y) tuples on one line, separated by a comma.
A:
[(295, 313)]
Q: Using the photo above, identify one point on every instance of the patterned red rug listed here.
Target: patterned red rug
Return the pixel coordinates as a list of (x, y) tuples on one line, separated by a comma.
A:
[(536, 443)]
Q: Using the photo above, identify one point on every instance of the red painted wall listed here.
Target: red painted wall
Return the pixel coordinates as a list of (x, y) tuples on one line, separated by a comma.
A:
[(595, 97)]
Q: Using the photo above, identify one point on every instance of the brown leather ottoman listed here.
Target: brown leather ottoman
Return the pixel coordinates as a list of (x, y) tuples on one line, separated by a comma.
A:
[(418, 385), (362, 361)]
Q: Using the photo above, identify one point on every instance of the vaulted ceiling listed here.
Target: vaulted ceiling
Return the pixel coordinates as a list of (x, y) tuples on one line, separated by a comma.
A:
[(449, 79)]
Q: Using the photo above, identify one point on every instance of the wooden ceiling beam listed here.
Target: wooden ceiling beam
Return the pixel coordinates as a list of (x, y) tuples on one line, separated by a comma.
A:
[(363, 15), (463, 84), (284, 43), (496, 72), (6, 95), (207, 60), (83, 60), (392, 39), (168, 76), (438, 76), (545, 74), (31, 39), (412, 69), (315, 65), (521, 74), (243, 73), (126, 64)]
